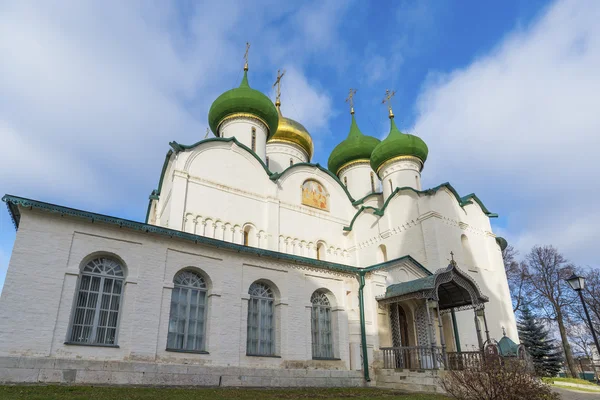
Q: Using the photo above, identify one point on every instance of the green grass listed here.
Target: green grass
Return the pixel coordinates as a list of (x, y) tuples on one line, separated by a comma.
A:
[(138, 393), (570, 380)]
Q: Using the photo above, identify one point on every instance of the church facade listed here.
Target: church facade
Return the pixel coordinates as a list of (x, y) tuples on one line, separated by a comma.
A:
[(266, 271)]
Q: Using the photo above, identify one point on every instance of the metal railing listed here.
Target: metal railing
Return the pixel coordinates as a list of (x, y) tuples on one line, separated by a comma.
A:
[(464, 359), (413, 357)]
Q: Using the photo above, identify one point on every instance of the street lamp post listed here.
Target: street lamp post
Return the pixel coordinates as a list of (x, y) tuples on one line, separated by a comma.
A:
[(577, 283)]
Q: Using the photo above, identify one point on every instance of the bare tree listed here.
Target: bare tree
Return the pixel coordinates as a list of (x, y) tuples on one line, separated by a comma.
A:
[(591, 296), (516, 274), (547, 270)]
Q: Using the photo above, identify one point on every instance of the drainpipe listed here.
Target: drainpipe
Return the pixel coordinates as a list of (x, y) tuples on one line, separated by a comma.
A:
[(363, 332)]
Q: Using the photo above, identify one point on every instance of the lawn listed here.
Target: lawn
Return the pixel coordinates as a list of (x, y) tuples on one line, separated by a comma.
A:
[(137, 393)]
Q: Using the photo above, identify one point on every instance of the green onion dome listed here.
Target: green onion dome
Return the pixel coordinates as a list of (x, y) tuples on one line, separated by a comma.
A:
[(240, 101), (356, 147), (398, 144)]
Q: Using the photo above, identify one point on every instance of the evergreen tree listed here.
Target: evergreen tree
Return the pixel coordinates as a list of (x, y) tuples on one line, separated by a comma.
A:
[(546, 356)]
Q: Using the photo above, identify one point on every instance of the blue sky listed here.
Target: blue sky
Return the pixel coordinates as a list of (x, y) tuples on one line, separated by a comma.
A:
[(504, 93)]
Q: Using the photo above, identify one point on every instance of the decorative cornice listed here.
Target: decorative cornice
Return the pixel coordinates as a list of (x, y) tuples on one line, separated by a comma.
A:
[(400, 158), (288, 143), (352, 164), (235, 116)]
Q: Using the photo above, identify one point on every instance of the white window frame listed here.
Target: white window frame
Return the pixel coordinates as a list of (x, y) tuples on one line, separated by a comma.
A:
[(99, 269), (192, 283), (261, 323), (321, 326)]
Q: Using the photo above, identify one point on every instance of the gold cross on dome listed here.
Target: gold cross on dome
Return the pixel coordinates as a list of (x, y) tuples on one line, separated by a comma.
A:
[(277, 84), (388, 99), (350, 99), (246, 56)]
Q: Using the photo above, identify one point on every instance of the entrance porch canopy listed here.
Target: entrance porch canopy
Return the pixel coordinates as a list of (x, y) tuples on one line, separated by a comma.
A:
[(450, 287)]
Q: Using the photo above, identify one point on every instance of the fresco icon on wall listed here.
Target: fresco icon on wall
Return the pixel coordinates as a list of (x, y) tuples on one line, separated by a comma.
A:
[(315, 195)]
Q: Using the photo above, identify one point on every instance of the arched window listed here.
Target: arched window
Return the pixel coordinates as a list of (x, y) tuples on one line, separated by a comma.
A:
[(267, 162), (187, 319), (246, 237), (322, 344), (372, 183), (346, 181), (320, 251), (468, 258), (253, 139), (98, 302), (382, 253), (291, 162), (391, 187), (261, 321)]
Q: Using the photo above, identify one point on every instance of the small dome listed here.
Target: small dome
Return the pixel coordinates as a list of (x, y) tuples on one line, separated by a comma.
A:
[(243, 100), (356, 146), (293, 132), (398, 144), (501, 242)]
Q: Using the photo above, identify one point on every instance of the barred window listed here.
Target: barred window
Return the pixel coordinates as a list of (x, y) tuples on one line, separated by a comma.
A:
[(346, 181), (96, 316), (261, 321), (253, 139), (322, 346), (187, 319)]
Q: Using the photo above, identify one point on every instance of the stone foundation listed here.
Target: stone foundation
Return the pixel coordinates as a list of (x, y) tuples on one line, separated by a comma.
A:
[(72, 371), (410, 380)]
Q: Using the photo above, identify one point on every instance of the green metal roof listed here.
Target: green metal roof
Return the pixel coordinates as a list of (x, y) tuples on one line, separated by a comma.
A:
[(13, 203), (398, 144), (417, 285), (243, 99), (356, 146), (508, 347)]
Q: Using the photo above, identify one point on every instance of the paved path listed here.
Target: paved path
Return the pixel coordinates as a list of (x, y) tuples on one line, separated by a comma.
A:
[(567, 394)]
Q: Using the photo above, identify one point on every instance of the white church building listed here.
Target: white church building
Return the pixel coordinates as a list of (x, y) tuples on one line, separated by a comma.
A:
[(267, 271)]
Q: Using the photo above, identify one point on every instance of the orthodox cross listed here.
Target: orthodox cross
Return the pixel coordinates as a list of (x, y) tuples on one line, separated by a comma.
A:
[(388, 99), (452, 258), (350, 99), (278, 85), (207, 131), (246, 56)]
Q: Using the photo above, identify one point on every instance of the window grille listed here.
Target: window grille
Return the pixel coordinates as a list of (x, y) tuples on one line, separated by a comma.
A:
[(322, 346), (261, 321), (267, 162), (346, 181), (253, 139), (187, 319), (98, 301)]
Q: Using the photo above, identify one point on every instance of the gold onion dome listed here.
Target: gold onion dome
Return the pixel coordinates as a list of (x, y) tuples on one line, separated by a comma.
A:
[(243, 100), (294, 132)]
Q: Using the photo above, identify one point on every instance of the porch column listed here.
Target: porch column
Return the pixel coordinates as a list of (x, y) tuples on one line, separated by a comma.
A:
[(487, 332), (442, 338), (431, 334), (478, 328), (456, 336)]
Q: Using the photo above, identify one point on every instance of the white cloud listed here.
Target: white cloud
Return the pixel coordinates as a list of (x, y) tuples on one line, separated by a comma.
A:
[(304, 102), (521, 125)]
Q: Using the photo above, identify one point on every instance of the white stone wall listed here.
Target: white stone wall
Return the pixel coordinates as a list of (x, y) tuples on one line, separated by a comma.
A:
[(402, 173), (357, 178), (36, 305), (241, 128), (223, 186), (282, 155)]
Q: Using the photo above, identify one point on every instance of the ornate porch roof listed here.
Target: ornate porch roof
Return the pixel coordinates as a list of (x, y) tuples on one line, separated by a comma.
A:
[(450, 287)]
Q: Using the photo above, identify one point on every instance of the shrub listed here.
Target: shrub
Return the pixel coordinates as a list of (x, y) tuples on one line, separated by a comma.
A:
[(496, 379)]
